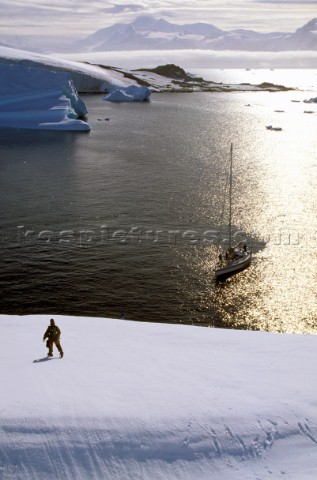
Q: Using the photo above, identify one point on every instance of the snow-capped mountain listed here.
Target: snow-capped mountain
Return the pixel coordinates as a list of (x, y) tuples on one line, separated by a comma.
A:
[(148, 33), (304, 38)]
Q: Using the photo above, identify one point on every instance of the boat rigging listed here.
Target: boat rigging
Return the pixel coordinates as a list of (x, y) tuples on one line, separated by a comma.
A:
[(237, 257)]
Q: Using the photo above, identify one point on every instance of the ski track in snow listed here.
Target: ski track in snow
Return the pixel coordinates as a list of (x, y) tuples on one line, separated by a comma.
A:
[(305, 430), (43, 450)]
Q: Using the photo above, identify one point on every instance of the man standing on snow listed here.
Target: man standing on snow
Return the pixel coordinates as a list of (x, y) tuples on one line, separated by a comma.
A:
[(53, 334)]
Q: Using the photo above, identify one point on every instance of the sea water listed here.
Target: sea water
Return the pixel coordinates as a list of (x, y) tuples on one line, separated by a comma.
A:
[(126, 220)]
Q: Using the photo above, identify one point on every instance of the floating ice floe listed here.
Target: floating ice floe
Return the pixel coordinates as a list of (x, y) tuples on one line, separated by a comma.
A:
[(39, 98), (270, 127), (132, 93), (311, 100)]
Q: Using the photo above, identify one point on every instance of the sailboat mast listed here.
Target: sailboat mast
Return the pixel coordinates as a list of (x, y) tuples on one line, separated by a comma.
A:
[(230, 197)]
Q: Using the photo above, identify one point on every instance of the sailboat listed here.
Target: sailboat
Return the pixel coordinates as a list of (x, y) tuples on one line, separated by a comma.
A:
[(237, 257)]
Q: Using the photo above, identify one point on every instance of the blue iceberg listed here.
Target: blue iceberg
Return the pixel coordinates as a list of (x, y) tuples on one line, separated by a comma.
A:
[(39, 98), (132, 93)]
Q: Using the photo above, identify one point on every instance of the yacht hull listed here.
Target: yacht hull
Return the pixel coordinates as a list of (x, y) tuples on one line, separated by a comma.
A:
[(232, 268)]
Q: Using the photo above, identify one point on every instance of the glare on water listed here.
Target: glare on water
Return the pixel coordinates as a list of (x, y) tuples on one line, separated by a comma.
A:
[(276, 201), (141, 197)]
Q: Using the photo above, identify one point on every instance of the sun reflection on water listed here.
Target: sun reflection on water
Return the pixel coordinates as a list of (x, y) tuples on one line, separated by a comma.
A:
[(171, 177), (279, 289), (275, 201)]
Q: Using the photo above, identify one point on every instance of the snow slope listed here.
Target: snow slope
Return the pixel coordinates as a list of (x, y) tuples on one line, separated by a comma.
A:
[(162, 402)]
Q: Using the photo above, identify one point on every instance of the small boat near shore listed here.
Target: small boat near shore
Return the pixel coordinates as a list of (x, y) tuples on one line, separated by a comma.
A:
[(238, 257), (270, 127)]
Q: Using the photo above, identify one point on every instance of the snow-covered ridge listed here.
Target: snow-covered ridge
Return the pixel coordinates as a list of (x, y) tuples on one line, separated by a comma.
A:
[(155, 401), (149, 33)]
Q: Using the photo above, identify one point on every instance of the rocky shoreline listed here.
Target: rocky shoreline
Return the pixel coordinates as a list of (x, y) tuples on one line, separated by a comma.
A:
[(174, 79)]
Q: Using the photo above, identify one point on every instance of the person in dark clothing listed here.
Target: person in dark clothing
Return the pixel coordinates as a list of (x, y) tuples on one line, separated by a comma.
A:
[(52, 335)]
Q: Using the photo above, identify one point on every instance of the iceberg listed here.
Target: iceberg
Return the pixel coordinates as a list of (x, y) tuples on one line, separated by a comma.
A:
[(87, 78), (132, 93), (311, 100), (39, 98)]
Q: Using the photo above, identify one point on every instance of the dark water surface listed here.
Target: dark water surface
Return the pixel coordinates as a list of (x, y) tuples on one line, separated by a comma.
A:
[(121, 220)]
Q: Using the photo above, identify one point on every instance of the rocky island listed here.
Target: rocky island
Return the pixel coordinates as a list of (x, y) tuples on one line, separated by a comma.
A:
[(172, 78)]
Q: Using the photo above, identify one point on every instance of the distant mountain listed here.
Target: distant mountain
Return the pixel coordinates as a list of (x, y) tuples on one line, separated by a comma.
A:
[(21, 43), (149, 33), (304, 38)]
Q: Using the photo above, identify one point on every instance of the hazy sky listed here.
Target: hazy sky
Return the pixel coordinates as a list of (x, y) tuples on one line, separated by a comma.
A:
[(79, 18)]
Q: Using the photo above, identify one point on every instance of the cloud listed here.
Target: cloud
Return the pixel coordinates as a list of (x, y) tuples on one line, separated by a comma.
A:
[(124, 8), (289, 2), (190, 59), (76, 19)]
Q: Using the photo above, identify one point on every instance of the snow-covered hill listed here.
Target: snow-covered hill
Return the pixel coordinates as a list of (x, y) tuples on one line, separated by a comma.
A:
[(148, 401), (148, 33)]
